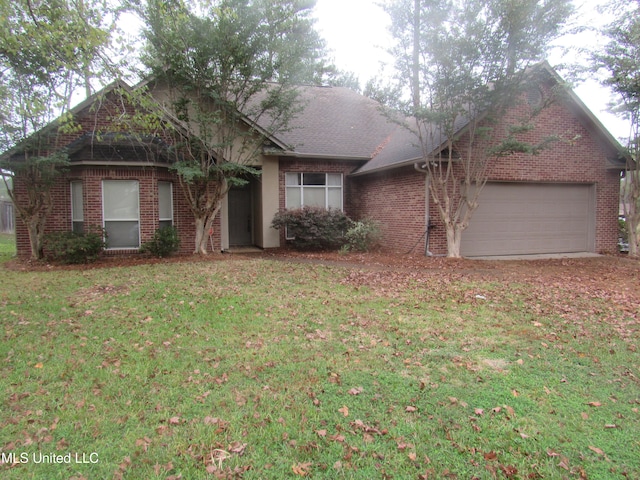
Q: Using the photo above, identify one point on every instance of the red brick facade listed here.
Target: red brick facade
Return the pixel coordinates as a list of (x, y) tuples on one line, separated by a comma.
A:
[(396, 197)]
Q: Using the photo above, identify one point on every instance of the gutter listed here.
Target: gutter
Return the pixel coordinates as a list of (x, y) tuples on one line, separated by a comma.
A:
[(427, 198)]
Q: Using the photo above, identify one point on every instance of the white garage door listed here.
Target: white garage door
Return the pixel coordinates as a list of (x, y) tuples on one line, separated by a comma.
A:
[(522, 218)]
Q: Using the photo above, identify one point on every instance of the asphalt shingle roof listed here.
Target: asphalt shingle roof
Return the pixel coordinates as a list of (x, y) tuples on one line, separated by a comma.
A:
[(337, 122)]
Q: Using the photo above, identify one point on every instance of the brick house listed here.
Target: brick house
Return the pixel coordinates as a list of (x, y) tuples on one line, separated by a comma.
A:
[(342, 152)]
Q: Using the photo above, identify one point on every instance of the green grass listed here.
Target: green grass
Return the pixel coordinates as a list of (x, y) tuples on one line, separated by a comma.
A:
[(259, 369), (7, 246)]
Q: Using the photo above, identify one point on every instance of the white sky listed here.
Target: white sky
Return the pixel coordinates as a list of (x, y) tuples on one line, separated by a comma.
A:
[(356, 32)]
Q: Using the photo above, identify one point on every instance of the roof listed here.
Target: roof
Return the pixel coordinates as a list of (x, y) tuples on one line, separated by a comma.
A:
[(336, 122), (339, 123)]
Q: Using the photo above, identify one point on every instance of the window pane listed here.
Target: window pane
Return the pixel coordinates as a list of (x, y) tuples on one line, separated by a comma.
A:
[(77, 227), (122, 234), (335, 198), (293, 197), (120, 199), (314, 179), (165, 201), (314, 197), (292, 178), (166, 223), (334, 179), (77, 211)]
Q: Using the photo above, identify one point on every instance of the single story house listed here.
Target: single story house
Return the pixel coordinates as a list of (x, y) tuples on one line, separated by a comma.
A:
[(343, 152)]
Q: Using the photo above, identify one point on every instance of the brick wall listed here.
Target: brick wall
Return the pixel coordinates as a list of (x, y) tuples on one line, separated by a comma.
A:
[(345, 167), (96, 120), (396, 197)]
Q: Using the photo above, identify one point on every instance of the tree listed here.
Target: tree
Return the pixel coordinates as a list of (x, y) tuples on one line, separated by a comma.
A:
[(223, 80), (47, 49), (462, 64), (620, 58)]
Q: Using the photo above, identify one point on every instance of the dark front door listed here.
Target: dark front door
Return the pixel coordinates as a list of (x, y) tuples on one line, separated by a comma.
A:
[(240, 216)]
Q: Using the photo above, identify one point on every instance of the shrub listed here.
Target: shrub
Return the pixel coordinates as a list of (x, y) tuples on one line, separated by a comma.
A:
[(73, 247), (313, 228), (363, 235), (165, 241)]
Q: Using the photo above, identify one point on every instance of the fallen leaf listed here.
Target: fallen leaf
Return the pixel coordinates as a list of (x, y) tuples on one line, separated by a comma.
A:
[(237, 447), (610, 425), (564, 463), (321, 433), (594, 404), (174, 421), (355, 391), (410, 409), (38, 365), (509, 470), (301, 469), (344, 410), (596, 449), (490, 456), (479, 411)]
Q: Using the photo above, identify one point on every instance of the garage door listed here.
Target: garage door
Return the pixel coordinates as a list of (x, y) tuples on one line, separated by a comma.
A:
[(522, 218)]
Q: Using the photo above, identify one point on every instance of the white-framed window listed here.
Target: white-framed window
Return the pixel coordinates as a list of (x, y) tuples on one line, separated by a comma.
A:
[(165, 204), (121, 213), (77, 207), (313, 190)]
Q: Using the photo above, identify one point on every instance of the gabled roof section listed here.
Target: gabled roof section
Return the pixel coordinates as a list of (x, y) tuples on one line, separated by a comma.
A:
[(336, 123), (616, 153), (402, 147), (55, 124)]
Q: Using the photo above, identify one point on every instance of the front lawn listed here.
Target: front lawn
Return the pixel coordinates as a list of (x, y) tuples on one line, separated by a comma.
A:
[(266, 369), (7, 246)]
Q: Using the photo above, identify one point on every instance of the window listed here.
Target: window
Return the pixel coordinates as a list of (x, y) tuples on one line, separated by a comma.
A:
[(165, 204), (313, 190), (77, 209), (121, 213)]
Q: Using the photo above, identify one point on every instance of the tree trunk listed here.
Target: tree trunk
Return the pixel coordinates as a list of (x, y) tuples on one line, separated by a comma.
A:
[(454, 238), (204, 227), (35, 227), (633, 238)]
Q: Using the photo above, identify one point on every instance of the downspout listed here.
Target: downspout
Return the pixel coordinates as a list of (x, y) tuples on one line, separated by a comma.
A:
[(427, 219)]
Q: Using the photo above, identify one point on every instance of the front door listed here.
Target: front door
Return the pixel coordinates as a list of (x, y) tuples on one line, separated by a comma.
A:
[(240, 216)]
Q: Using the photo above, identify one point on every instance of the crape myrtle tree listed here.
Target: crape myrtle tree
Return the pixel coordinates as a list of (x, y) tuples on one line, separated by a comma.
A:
[(47, 50), (224, 76), (462, 64), (620, 61)]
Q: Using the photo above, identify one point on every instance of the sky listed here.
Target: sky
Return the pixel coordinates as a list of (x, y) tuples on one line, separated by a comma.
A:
[(356, 32)]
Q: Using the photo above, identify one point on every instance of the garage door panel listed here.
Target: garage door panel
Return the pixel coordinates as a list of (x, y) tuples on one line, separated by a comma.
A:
[(516, 218)]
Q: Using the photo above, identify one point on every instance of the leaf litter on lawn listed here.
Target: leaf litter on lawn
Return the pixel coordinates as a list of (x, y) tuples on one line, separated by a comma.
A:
[(260, 369)]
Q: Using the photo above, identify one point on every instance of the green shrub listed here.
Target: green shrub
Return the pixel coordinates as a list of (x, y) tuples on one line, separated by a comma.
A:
[(165, 241), (73, 247), (313, 228), (363, 235)]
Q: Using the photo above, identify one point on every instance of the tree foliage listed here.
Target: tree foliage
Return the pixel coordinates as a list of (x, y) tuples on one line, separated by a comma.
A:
[(620, 59), (461, 65), (47, 49), (224, 75)]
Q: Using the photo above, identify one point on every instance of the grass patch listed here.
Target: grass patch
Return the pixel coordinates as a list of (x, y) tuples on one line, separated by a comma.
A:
[(7, 246), (256, 369)]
